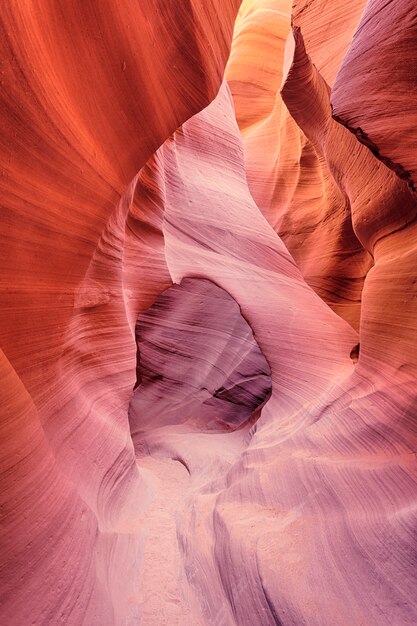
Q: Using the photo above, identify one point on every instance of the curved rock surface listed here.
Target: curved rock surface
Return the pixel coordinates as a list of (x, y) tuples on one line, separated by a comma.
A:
[(300, 511), (324, 435), (376, 88), (89, 90), (295, 182), (198, 362)]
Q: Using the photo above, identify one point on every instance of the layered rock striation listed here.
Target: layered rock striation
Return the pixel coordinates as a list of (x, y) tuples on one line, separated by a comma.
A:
[(198, 362), (240, 241)]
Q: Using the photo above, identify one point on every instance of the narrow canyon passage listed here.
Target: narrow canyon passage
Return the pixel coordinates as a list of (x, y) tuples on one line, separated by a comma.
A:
[(202, 381), (168, 590), (208, 328), (164, 594)]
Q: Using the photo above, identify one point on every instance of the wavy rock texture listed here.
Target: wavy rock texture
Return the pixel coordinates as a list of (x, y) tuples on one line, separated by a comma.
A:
[(198, 361), (374, 94), (304, 513), (325, 434), (295, 184), (89, 90)]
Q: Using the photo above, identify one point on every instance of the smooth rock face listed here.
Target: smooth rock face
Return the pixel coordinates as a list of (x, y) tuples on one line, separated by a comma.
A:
[(259, 220), (198, 362)]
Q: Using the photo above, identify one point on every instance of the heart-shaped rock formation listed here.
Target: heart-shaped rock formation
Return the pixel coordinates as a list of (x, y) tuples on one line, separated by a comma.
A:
[(198, 361)]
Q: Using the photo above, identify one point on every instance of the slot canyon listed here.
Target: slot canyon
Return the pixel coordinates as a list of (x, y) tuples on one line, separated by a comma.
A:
[(209, 313)]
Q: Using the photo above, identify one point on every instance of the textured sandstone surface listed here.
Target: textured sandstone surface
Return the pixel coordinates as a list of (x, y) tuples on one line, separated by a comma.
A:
[(208, 230), (198, 362), (296, 176), (376, 87), (88, 91)]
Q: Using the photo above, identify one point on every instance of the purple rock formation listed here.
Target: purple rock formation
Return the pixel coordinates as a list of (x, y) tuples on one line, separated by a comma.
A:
[(198, 361)]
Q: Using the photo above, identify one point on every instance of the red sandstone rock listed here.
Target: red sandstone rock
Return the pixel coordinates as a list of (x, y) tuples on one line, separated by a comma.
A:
[(328, 29), (288, 173), (376, 89), (88, 91), (305, 516)]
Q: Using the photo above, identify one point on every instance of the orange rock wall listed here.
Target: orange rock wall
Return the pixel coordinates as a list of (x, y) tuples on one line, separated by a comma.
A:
[(88, 91)]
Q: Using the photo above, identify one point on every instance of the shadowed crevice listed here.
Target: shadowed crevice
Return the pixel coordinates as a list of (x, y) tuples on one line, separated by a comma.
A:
[(198, 362)]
